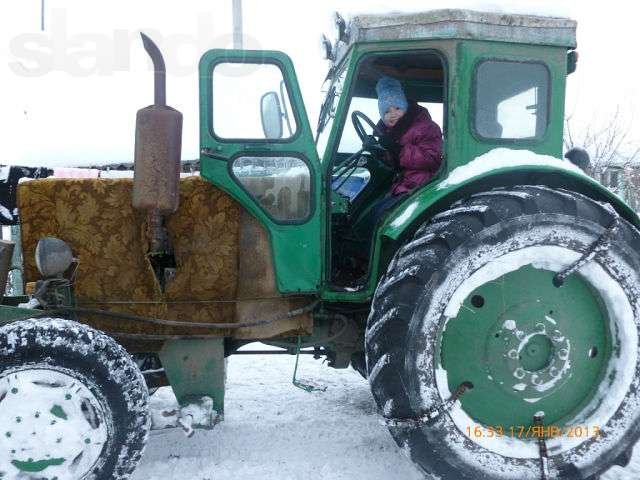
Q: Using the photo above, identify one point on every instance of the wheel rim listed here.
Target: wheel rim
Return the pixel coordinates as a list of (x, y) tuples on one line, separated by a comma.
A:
[(610, 329), (524, 351), (51, 424)]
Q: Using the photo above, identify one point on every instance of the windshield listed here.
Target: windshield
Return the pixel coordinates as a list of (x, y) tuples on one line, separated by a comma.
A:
[(328, 109)]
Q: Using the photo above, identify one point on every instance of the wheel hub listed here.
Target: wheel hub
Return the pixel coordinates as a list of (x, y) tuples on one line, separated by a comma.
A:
[(51, 424), (537, 353), (534, 349)]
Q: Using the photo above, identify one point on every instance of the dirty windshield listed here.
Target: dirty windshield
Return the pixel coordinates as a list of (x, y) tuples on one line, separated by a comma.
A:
[(329, 108)]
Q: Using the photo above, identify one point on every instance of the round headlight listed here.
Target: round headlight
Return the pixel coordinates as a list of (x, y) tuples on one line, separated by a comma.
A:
[(53, 257)]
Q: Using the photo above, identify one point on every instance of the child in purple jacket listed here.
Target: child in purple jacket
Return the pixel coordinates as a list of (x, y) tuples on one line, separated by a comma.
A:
[(417, 138), (413, 140)]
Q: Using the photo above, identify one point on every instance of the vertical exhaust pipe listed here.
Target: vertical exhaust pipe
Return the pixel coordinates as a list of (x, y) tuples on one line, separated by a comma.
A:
[(158, 147)]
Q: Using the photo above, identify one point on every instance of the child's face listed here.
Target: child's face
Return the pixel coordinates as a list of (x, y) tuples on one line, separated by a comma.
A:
[(392, 116)]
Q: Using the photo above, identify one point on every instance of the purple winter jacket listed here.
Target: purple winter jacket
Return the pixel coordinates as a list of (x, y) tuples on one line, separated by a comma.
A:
[(420, 152)]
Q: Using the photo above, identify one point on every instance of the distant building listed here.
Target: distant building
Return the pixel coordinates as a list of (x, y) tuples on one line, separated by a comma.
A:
[(623, 178)]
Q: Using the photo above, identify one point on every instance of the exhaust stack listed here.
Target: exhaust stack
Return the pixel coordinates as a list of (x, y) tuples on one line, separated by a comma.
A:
[(158, 147)]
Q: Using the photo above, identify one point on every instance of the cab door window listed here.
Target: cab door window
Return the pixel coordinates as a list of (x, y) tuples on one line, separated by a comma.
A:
[(281, 185), (243, 95)]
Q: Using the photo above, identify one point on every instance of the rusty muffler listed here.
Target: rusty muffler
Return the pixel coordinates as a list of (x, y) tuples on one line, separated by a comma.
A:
[(158, 148)]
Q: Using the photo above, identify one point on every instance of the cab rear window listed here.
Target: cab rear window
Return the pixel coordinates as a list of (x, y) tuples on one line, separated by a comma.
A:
[(511, 100)]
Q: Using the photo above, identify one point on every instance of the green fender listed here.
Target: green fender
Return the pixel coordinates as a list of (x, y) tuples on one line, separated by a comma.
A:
[(439, 196)]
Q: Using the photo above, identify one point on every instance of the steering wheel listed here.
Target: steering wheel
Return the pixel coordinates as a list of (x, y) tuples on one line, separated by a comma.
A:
[(370, 143)]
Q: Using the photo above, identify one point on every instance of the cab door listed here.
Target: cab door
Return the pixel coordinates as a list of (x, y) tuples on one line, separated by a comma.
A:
[(256, 144)]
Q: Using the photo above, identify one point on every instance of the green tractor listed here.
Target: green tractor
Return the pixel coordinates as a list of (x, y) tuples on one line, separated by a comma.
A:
[(494, 310)]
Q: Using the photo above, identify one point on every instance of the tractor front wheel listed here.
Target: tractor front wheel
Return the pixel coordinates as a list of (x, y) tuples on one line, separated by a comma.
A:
[(73, 404), (503, 340)]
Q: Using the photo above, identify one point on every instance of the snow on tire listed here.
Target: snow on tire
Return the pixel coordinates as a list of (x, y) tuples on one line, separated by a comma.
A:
[(471, 298), (73, 404)]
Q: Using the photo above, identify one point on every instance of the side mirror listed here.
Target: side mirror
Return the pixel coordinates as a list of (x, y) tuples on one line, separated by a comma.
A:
[(271, 115)]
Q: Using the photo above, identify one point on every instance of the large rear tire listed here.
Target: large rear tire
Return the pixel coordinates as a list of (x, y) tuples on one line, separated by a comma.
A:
[(472, 300), (73, 404)]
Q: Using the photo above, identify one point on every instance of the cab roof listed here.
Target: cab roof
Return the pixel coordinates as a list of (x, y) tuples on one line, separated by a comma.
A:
[(464, 24)]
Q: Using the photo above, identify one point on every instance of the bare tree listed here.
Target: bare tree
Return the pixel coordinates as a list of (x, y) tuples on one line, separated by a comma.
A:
[(609, 143), (614, 155)]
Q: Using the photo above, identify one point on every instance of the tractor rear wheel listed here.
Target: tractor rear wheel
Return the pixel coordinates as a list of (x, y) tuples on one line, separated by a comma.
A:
[(487, 363), (73, 404)]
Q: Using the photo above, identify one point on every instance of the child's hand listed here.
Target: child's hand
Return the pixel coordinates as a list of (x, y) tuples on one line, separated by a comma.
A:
[(390, 145)]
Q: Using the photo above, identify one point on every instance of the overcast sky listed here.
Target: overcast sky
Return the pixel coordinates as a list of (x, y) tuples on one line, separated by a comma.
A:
[(69, 94)]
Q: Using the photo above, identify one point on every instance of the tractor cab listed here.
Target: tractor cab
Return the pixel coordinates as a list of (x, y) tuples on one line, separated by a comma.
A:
[(484, 86)]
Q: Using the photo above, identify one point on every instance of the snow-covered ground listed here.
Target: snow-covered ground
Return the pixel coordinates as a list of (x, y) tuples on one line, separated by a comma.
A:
[(273, 430)]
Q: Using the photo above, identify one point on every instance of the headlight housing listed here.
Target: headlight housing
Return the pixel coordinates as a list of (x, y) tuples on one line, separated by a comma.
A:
[(53, 257)]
